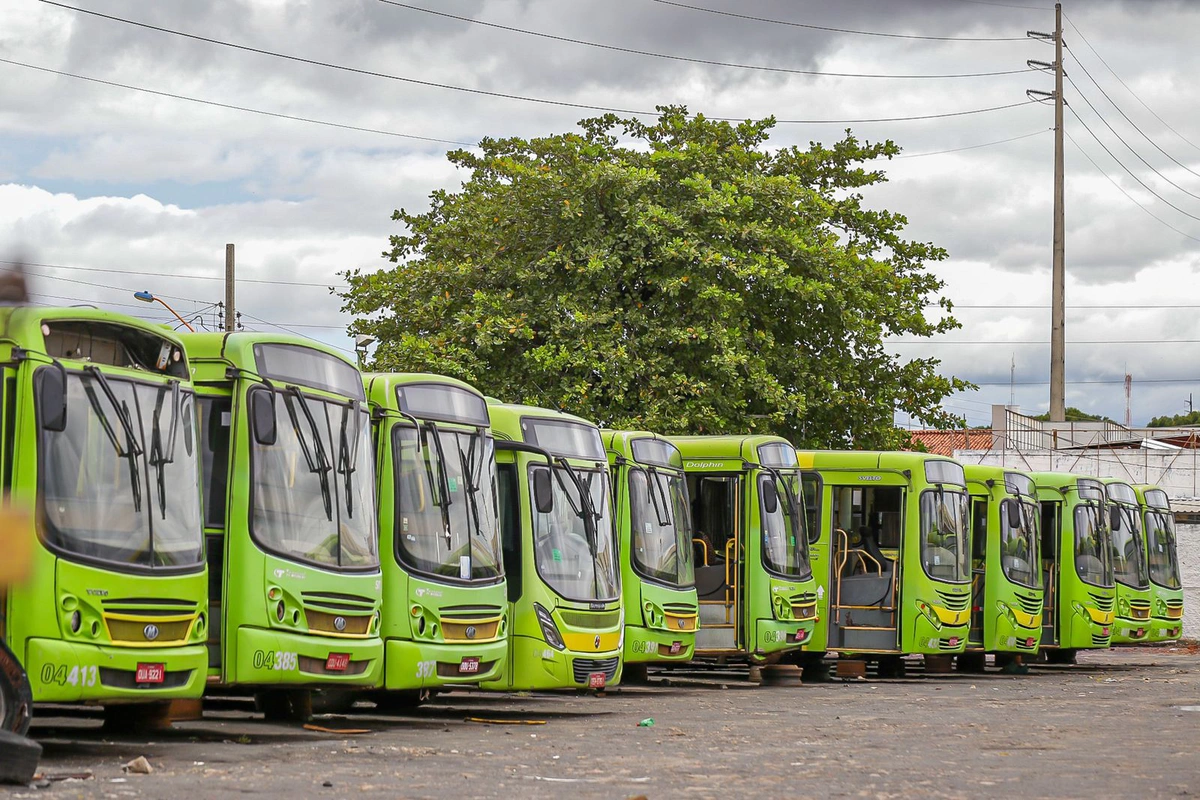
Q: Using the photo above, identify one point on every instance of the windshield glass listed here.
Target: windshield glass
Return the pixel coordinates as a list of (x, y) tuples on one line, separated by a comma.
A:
[(660, 526), (785, 543), (945, 555), (1128, 549), (107, 495), (1160, 539), (1019, 543), (1092, 557), (574, 557), (301, 506), (446, 502)]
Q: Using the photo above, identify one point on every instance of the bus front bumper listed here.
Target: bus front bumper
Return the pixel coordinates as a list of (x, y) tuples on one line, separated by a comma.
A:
[(1013, 637), (1126, 630), (649, 645), (535, 666), (1165, 629), (72, 672), (777, 636), (427, 665), (274, 658)]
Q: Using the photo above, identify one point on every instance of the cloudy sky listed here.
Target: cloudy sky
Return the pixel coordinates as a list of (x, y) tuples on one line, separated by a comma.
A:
[(111, 185)]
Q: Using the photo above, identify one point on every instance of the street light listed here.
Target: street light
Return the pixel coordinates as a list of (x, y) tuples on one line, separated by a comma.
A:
[(361, 343), (148, 297)]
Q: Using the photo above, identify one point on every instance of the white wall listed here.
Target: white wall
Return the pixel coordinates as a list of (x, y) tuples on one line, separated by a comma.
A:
[(1188, 542)]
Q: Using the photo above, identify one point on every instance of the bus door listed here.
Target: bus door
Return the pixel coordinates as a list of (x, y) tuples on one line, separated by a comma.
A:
[(1051, 564), (979, 537), (216, 426), (718, 548), (818, 551), (864, 568)]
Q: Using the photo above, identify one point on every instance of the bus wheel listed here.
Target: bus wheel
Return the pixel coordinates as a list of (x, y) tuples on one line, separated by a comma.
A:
[(891, 667), (970, 662), (399, 702), (635, 674), (18, 758), (333, 701), (1060, 656), (284, 705), (814, 668), (137, 717), (16, 700)]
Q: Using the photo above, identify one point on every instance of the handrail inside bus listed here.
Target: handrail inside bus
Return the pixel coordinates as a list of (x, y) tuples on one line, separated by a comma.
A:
[(704, 544)]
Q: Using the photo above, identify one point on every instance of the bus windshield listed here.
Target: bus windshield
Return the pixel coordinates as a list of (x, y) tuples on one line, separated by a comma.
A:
[(1164, 559), (446, 522), (312, 490), (117, 483), (1019, 543), (1092, 557), (572, 543), (785, 543), (1128, 549), (660, 522), (945, 555)]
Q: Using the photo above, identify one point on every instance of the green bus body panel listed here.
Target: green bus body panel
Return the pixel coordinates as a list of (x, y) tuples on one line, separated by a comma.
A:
[(645, 641), (99, 663), (415, 661), (1131, 623), (532, 663), (943, 627), (1011, 613), (1083, 611), (767, 626), (1166, 612), (257, 649)]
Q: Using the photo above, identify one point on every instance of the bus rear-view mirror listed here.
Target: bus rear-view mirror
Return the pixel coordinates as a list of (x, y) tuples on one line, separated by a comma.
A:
[(52, 398), (770, 496), (1114, 518), (262, 412), (1014, 515), (543, 491)]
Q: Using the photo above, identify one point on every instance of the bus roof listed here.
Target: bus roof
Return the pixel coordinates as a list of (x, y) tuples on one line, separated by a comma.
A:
[(276, 356), (539, 426), (725, 447), (643, 447), (868, 459), (429, 396), (1152, 495)]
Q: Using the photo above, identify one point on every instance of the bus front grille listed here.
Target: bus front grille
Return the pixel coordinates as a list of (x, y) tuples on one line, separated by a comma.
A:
[(1103, 603), (1030, 605), (955, 602), (583, 667), (338, 601), (1175, 609), (590, 620), (1139, 608), (473, 630), (126, 679), (324, 622), (1101, 641), (148, 631), (681, 609)]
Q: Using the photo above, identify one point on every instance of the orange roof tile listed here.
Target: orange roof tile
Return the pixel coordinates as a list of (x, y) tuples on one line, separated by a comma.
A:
[(946, 442)]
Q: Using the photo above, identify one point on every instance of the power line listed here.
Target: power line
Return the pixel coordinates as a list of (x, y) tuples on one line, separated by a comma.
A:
[(174, 276), (704, 61), (1110, 382), (231, 107), (505, 95), (294, 333), (1007, 342), (1134, 306), (1005, 5), (839, 30), (1131, 92), (974, 146)]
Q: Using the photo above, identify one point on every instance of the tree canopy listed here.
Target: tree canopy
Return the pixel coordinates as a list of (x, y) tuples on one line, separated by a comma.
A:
[(1073, 414), (675, 276), (1175, 420)]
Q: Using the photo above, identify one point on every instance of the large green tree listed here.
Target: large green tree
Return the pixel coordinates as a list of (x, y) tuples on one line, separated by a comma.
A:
[(677, 276)]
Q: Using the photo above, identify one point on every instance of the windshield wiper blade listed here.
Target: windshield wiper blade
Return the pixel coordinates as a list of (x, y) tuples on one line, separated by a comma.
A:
[(443, 483), (317, 459), (133, 443), (586, 511), (348, 456), (159, 459), (658, 496)]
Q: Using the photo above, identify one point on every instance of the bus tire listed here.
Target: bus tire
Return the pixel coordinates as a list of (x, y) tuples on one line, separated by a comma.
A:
[(890, 667), (970, 662), (137, 717), (18, 758), (284, 705), (1065, 656), (333, 701), (16, 698), (400, 702)]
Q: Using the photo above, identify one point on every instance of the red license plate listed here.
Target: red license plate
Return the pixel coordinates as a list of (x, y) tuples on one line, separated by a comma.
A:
[(953, 641), (150, 673), (1029, 642), (676, 648), (596, 680), (1141, 632), (469, 665), (1104, 632), (337, 662)]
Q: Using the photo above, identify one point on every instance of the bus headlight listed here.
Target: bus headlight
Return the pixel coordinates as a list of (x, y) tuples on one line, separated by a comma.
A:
[(76, 621), (549, 629), (929, 614)]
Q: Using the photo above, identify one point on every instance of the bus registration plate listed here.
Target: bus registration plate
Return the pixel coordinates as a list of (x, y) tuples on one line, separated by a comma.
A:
[(596, 680), (150, 673), (469, 665), (676, 647), (337, 662)]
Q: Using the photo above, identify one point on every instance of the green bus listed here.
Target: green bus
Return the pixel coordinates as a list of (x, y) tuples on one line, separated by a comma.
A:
[(892, 555), (560, 551), (1131, 624), (1077, 569), (654, 535), (289, 514), (99, 442), (446, 614), (1006, 568), (1166, 589), (754, 582)]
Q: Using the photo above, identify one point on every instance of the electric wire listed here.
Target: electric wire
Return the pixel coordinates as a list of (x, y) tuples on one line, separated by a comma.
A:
[(173, 275), (505, 95), (293, 332), (972, 147), (703, 61), (829, 29)]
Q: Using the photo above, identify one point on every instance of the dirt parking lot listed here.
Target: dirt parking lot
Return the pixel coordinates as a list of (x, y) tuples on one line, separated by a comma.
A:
[(1122, 723)]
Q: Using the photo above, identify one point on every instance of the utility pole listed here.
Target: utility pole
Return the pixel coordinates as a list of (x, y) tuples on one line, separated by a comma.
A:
[(230, 321), (1058, 408)]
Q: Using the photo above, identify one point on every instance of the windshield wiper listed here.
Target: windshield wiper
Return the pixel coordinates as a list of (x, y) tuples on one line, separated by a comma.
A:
[(467, 464), (159, 459), (133, 444), (320, 464), (442, 492), (585, 511), (348, 455)]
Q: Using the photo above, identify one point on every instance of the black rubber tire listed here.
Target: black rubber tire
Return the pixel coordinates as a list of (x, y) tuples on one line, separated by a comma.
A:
[(137, 718), (399, 702), (1060, 656), (285, 705), (971, 662), (334, 701), (890, 667), (16, 699), (18, 758)]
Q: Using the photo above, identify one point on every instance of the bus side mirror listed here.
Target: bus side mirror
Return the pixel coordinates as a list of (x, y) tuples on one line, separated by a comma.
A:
[(52, 398), (1114, 518), (770, 497), (1014, 515), (262, 413), (543, 491)]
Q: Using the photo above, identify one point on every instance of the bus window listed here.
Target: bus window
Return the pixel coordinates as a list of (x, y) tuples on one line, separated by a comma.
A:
[(214, 457), (510, 527), (979, 531), (812, 504)]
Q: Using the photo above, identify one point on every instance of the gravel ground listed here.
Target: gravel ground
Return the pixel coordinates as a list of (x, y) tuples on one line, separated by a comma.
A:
[(1122, 723)]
